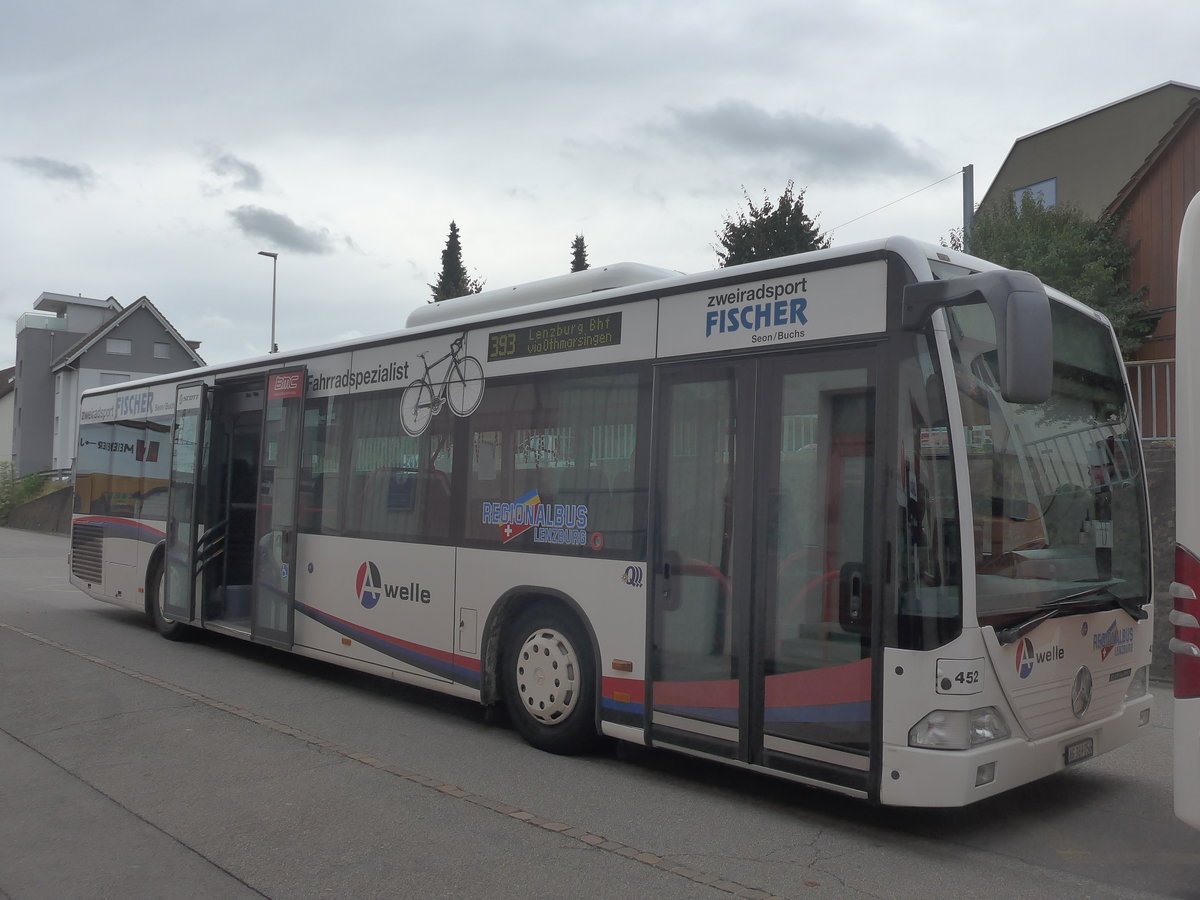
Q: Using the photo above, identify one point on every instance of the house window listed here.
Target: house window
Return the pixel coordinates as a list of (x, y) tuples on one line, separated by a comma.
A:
[(1046, 191), (119, 346), (112, 378), (161, 350)]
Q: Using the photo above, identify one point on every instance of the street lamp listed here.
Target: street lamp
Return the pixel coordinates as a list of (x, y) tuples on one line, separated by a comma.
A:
[(274, 268)]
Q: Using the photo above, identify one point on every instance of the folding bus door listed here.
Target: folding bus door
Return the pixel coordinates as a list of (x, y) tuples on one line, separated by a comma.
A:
[(761, 646), (814, 563), (186, 535), (272, 620)]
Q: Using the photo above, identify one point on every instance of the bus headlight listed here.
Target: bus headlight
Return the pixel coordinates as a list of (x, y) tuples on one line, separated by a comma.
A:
[(1137, 684), (957, 729)]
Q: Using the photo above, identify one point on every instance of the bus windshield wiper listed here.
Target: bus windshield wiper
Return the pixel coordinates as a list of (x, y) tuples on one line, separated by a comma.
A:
[(1014, 632), (1128, 604)]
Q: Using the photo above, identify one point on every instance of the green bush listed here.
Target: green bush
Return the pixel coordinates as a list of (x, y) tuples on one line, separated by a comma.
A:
[(15, 491), (8, 485), (29, 488)]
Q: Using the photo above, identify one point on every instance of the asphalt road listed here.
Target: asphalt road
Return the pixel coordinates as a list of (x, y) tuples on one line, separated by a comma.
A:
[(134, 767)]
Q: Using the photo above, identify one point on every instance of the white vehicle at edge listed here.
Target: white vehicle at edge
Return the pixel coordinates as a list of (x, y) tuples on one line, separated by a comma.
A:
[(872, 518), (1185, 645)]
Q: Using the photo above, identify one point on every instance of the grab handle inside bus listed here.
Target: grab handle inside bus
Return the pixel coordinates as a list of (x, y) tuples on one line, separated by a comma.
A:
[(1021, 310), (854, 599)]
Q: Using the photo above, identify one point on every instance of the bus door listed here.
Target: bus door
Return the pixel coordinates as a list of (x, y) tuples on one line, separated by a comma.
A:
[(185, 520), (761, 602), (272, 619)]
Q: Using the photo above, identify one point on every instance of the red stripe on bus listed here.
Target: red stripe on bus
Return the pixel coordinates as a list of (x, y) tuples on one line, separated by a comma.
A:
[(445, 656), (709, 694), (1187, 668), (634, 689), (850, 683)]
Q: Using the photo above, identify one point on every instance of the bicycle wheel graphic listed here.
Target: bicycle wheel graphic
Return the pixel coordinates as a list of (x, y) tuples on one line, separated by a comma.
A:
[(464, 386), (416, 407)]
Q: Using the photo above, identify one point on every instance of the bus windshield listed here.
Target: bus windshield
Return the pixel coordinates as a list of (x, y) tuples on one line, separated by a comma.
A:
[(1057, 488)]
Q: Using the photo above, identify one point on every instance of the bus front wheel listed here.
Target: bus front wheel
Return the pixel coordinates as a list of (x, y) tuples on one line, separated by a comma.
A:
[(549, 681)]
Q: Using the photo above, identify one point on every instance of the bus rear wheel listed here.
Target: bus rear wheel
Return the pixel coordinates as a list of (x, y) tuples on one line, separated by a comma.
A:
[(168, 628), (549, 681)]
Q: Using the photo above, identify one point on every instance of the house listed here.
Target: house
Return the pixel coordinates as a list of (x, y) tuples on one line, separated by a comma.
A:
[(1137, 160), (75, 343)]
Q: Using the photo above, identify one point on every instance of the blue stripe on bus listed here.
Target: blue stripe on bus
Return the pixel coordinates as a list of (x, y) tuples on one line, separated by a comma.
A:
[(389, 647), (832, 712), (784, 715), (617, 706)]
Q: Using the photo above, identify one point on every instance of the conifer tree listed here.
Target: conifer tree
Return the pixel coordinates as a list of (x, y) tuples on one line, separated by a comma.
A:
[(579, 260), (453, 280)]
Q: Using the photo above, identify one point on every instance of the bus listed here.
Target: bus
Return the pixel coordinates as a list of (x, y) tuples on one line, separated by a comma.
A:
[(1185, 644), (871, 518)]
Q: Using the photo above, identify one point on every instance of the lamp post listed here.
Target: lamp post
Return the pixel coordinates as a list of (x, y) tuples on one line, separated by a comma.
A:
[(274, 269)]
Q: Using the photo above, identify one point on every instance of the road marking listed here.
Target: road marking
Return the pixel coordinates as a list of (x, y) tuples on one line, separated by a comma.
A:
[(594, 841)]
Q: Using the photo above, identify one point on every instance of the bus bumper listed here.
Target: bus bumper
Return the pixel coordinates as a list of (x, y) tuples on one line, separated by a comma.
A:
[(946, 778)]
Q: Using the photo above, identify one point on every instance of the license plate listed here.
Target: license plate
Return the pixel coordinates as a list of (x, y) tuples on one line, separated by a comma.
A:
[(1079, 751)]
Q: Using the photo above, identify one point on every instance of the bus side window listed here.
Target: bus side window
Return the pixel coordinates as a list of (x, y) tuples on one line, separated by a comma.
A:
[(569, 444), (320, 453), (393, 486)]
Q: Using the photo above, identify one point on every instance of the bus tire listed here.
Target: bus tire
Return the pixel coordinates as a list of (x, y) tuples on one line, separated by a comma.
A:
[(549, 680), (168, 628)]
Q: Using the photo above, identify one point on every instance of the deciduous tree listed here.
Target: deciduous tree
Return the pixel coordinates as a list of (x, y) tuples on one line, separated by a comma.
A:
[(1066, 249), (774, 228)]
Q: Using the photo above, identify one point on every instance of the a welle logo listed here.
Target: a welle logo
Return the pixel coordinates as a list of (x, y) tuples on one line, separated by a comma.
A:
[(1028, 657), (370, 588)]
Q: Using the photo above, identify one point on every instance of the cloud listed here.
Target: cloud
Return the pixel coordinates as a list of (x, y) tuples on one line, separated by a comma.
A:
[(831, 148), (246, 175), (81, 177), (281, 231)]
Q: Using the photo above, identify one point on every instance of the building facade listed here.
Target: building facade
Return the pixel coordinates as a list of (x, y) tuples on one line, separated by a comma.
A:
[(1137, 161), (74, 343), (7, 377)]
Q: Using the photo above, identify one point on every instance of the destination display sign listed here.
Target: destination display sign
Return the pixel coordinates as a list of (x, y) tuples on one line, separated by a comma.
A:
[(585, 333)]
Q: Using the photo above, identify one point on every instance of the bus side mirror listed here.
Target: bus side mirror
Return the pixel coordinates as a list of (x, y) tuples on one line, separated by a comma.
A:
[(1021, 310)]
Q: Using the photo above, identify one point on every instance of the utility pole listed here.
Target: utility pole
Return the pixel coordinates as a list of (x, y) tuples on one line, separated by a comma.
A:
[(274, 268), (968, 174)]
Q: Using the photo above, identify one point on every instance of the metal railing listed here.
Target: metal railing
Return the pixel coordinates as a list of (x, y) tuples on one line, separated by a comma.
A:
[(1153, 386)]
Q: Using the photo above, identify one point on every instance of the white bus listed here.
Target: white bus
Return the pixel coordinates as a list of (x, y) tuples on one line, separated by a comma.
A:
[(871, 518), (1185, 589)]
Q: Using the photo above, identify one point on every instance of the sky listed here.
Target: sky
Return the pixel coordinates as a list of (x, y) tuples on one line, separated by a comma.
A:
[(154, 148)]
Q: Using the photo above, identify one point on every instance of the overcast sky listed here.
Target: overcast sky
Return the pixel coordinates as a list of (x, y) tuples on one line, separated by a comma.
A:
[(153, 148)]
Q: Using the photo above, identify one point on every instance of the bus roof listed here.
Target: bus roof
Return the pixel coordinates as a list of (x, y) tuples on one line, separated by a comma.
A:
[(595, 284)]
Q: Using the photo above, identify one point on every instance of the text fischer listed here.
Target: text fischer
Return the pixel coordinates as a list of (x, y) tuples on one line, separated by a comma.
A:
[(755, 316)]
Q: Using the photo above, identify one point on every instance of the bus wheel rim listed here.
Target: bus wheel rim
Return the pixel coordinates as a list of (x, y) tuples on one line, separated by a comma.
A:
[(547, 670)]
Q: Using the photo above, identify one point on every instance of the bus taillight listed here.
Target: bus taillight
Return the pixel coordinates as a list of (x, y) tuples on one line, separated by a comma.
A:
[(1185, 645)]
